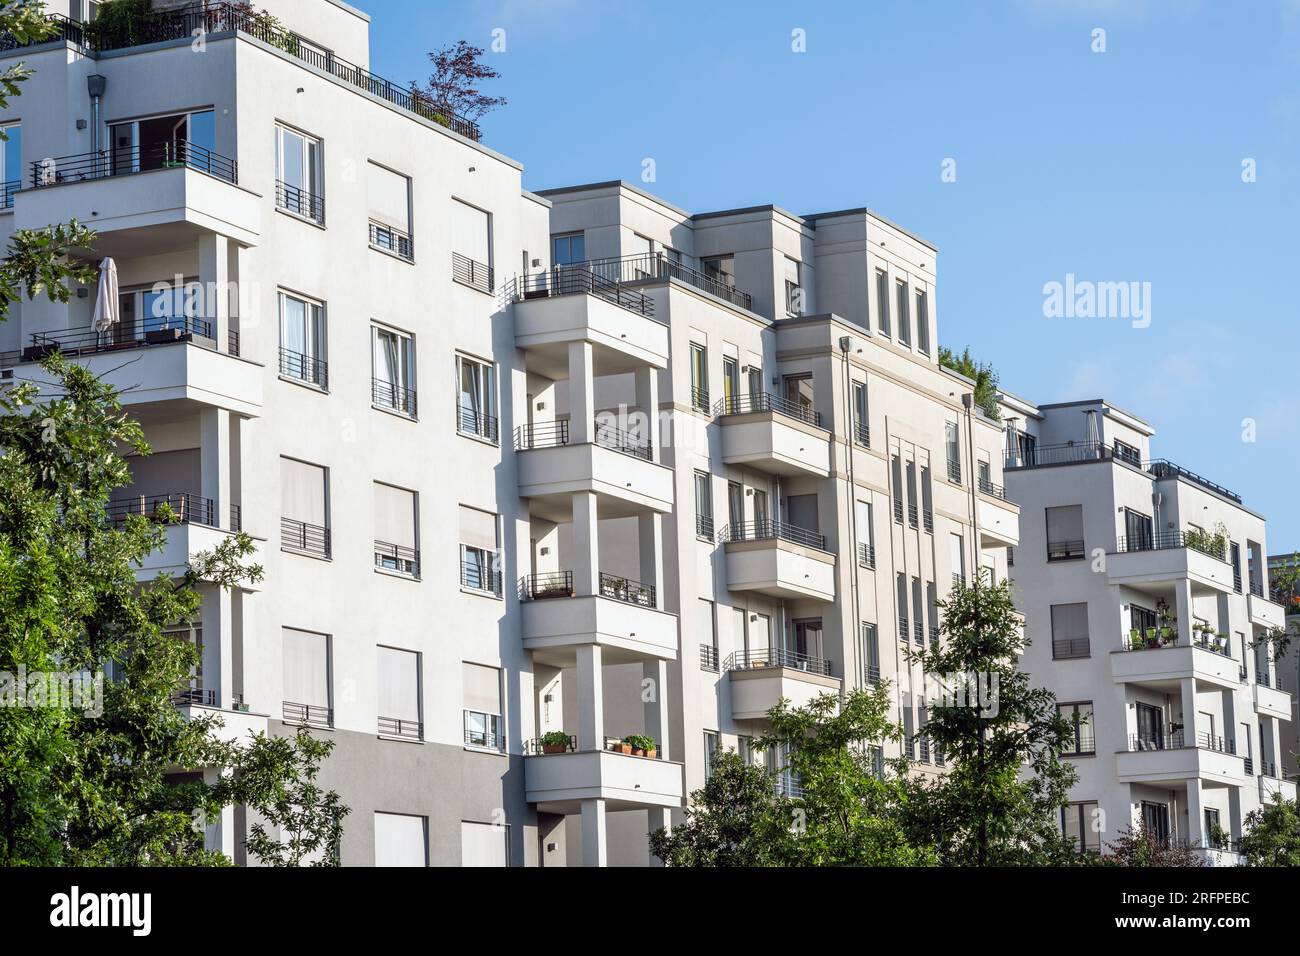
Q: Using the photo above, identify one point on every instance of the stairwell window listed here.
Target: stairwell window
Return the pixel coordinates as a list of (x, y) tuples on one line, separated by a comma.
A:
[(480, 556), (400, 699), (11, 163), (389, 197), (392, 383), (397, 532), (298, 179), (476, 399), (882, 301), (302, 341), (481, 689), (904, 319), (922, 322)]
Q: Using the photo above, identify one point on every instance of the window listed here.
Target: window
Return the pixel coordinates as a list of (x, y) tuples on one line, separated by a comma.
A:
[(735, 503), (909, 734), (476, 399), (1064, 532), (708, 635), (710, 749), (471, 246), (861, 426), (302, 340), (1079, 717), (305, 656), (882, 300), (745, 750), (721, 269), (957, 558), (866, 541), (1236, 566), (298, 174), (900, 595), (401, 840), (1070, 631), (392, 384), (730, 384), (1139, 531), (904, 320), (870, 655), (397, 532), (304, 508), (801, 511), (896, 486), (918, 612), (699, 378), (794, 304), (927, 502), (484, 844), (389, 196), (755, 383), (704, 506), (1126, 452), (399, 694), (799, 394), (568, 249), (1081, 822), (913, 515), (482, 694), (479, 561), (11, 163), (922, 323), (160, 142), (952, 451)]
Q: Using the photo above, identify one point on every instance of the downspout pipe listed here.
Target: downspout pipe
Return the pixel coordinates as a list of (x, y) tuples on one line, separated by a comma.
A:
[(95, 86)]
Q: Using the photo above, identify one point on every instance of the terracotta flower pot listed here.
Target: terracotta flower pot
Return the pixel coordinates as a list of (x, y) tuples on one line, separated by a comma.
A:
[(554, 748), (623, 749), (651, 753)]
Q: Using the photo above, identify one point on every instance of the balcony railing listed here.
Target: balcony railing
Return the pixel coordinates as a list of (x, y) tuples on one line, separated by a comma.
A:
[(477, 577), (476, 275), (927, 520), (194, 693), (1262, 678), (904, 629), (768, 529), (767, 402), (236, 517), (300, 202), (396, 557), (304, 368), (125, 160), (1249, 766), (866, 556), (542, 435), (777, 657), (7, 191), (913, 516), (314, 715), (704, 526), (934, 633), (862, 434), (1064, 550), (1163, 468), (918, 632), (155, 330), (708, 657), (610, 436), (392, 239), (988, 488), (1066, 648), (485, 739), (303, 537), (1168, 740), (1068, 453), (535, 746), (1207, 544), (629, 592), (396, 397), (1256, 589), (700, 399), (578, 280), (546, 584), (184, 508), (873, 675), (954, 472), (397, 727), (898, 510), (1084, 744), (1223, 745), (65, 31), (647, 267)]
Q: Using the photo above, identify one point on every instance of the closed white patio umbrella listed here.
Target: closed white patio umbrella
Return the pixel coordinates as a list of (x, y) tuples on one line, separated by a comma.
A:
[(107, 310)]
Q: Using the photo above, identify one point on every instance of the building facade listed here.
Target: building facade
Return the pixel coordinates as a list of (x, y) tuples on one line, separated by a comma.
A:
[(1144, 591), (1287, 593)]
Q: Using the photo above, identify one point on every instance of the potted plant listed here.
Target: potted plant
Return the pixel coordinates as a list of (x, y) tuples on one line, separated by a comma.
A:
[(621, 747), (642, 746), (1135, 641), (555, 742)]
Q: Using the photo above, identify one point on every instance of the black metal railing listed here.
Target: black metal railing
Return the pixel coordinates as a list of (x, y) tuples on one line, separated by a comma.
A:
[(1084, 743), (1262, 677), (578, 280), (988, 488), (904, 629), (913, 516), (397, 727), (126, 160), (155, 330), (898, 510), (1065, 648), (393, 240), (485, 739), (316, 715), (1168, 740), (767, 402), (396, 557), (535, 746), (1208, 741), (390, 395), (64, 31), (1163, 468), (476, 275), (307, 538), (1064, 550), (304, 368), (918, 632), (767, 528), (232, 342), (300, 202), (927, 520), (704, 526), (629, 592), (610, 436), (866, 555), (708, 657), (1207, 544), (1074, 452), (236, 517), (872, 675), (954, 472), (1249, 766), (478, 577), (700, 399), (1256, 589), (194, 693), (653, 266), (862, 434), (7, 191), (184, 508), (777, 657), (546, 584), (542, 435), (1212, 643)]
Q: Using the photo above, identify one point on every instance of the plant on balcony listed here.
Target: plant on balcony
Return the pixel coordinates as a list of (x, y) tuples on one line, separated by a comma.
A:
[(1135, 640), (643, 746), (1213, 542), (619, 746), (555, 742), (121, 23)]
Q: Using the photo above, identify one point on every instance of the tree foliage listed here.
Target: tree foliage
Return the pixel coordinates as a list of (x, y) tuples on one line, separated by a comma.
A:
[(454, 86), (1272, 834), (1141, 847), (984, 376)]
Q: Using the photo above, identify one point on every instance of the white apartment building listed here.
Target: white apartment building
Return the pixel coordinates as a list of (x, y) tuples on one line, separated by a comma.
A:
[(1143, 587), (623, 470)]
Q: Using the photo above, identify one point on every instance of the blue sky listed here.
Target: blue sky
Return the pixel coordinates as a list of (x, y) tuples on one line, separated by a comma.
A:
[(1121, 166)]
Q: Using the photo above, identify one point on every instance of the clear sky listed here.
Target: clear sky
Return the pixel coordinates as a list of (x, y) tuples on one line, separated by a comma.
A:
[(1117, 166)]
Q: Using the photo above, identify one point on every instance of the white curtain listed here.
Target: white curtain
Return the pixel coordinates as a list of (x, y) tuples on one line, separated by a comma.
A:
[(293, 324), (389, 197), (394, 515), (306, 667), (483, 844), (400, 840), (399, 684), (386, 357)]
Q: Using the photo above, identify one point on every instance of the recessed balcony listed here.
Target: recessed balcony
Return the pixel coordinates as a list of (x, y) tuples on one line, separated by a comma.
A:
[(1167, 757), (615, 466), (192, 526), (559, 782), (774, 435), (778, 560), (1174, 556), (761, 679), (623, 619)]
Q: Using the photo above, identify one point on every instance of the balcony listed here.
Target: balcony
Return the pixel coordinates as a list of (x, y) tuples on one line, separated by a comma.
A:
[(299, 202), (1271, 782), (1172, 556), (999, 519), (476, 275), (774, 435), (1082, 452), (192, 527), (623, 619), (1264, 612), (760, 679), (559, 782), (1154, 759), (657, 267), (1270, 701), (1170, 663), (615, 466), (779, 560)]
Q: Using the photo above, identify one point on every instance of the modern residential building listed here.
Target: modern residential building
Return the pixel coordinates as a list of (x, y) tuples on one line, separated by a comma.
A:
[(1143, 587), (624, 470), (1287, 593)]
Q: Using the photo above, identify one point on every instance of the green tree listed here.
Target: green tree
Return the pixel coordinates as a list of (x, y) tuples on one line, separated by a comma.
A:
[(984, 376), (1272, 834), (1000, 803), (1141, 847)]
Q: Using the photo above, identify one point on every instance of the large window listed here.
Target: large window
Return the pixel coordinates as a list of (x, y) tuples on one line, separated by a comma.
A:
[(400, 713), (302, 340), (160, 142), (568, 249), (882, 300), (307, 695), (11, 163), (1065, 532), (476, 398), (471, 246), (1079, 717), (704, 506), (482, 697), (721, 269), (397, 540), (401, 840), (389, 196), (298, 186), (304, 508), (1070, 631), (699, 377), (484, 844), (479, 551), (393, 357)]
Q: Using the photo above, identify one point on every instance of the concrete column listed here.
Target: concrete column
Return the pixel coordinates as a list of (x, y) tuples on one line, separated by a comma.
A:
[(650, 536), (658, 819), (1183, 608), (594, 852), (647, 400), (214, 462), (214, 276), (1234, 813), (1187, 689), (656, 709), (586, 544), (582, 394), (1195, 813), (215, 615), (591, 701)]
